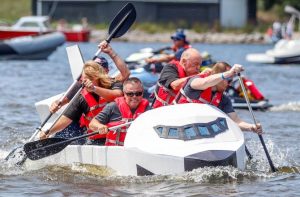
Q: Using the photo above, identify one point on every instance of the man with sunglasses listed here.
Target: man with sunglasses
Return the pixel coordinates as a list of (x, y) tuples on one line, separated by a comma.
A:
[(180, 44), (124, 109)]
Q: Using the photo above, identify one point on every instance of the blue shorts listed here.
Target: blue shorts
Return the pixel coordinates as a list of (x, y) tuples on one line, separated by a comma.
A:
[(71, 131)]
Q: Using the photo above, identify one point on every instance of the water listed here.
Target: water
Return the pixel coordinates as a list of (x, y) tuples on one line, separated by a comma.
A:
[(25, 82)]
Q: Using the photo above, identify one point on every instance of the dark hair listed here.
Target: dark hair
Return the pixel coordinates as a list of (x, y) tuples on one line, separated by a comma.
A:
[(102, 61), (132, 80)]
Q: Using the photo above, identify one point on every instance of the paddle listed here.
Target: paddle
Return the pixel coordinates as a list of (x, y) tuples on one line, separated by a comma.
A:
[(44, 148), (119, 26), (255, 122)]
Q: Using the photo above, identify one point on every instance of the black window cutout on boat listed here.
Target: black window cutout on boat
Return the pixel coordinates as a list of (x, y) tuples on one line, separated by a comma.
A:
[(159, 130), (216, 128), (203, 131), (173, 133), (192, 131), (223, 123)]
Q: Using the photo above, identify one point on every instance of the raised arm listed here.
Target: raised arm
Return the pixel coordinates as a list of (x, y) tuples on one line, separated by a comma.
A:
[(119, 62)]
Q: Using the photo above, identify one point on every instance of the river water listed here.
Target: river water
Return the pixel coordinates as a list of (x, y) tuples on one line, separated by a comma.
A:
[(25, 82)]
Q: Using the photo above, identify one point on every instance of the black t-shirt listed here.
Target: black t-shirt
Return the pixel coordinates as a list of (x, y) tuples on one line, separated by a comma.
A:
[(225, 104), (79, 106), (111, 113), (168, 74)]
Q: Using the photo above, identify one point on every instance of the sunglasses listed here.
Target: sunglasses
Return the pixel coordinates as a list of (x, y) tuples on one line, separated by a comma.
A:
[(131, 94)]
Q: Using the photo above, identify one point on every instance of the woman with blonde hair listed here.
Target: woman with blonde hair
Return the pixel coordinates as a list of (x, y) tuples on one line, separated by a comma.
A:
[(95, 94)]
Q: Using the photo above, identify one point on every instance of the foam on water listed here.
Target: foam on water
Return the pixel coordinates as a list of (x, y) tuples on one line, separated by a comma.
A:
[(290, 106)]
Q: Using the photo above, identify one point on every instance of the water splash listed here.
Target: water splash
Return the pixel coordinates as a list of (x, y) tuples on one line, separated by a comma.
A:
[(290, 106)]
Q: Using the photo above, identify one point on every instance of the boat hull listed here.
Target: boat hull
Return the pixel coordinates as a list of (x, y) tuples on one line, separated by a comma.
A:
[(71, 36), (133, 162), (31, 47)]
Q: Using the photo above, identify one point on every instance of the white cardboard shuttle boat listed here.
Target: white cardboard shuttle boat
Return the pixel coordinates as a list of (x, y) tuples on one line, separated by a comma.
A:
[(167, 140)]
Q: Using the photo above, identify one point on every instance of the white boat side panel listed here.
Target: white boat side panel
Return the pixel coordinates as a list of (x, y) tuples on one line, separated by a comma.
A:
[(42, 108)]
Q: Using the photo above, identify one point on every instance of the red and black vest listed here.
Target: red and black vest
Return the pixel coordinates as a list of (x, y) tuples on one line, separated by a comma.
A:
[(95, 107), (185, 46), (117, 138), (205, 96), (163, 95)]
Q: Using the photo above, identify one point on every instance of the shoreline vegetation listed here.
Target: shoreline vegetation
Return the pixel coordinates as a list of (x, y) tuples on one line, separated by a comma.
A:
[(192, 36), (267, 13)]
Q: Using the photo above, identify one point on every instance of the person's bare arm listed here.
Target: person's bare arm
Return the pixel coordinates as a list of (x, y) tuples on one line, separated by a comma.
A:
[(62, 123), (162, 58), (119, 62), (212, 80), (244, 125), (177, 84), (108, 94), (95, 125)]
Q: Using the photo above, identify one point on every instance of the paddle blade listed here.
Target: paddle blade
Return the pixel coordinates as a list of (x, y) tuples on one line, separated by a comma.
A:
[(44, 148), (122, 21), (17, 156)]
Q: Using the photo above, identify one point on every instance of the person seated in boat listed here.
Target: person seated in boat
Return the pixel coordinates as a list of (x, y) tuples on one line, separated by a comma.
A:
[(235, 90), (110, 95), (122, 110), (180, 44), (86, 105), (209, 90), (173, 76)]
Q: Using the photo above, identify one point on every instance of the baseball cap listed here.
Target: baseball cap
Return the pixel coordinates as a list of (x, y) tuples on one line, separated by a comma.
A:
[(178, 35), (102, 62)]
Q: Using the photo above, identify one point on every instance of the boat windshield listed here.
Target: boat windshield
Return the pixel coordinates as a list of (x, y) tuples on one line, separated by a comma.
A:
[(192, 131)]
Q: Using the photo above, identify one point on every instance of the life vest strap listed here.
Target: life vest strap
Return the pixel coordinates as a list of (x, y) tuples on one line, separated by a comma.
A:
[(116, 142), (97, 106), (190, 100)]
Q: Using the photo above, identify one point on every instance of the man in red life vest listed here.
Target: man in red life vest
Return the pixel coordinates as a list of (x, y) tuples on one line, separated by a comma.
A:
[(173, 76), (180, 45), (124, 109), (87, 104), (209, 90)]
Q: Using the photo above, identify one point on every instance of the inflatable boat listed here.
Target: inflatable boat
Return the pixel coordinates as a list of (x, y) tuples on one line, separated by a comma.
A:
[(31, 47)]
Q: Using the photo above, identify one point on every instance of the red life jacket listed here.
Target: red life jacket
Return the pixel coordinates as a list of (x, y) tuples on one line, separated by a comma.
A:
[(164, 96), (117, 138), (95, 107), (253, 89), (205, 96), (185, 46)]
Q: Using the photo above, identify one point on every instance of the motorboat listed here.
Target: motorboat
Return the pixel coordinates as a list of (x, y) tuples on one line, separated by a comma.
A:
[(137, 59), (31, 47), (167, 140), (284, 52), (37, 25)]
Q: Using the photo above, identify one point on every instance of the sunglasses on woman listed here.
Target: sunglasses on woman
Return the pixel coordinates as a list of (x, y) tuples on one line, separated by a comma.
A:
[(131, 94)]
